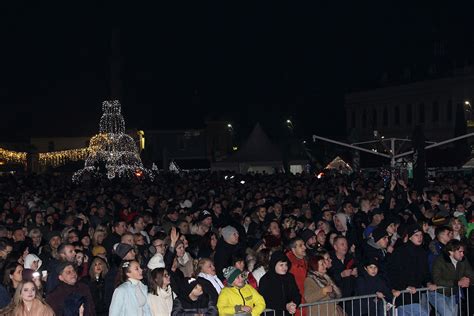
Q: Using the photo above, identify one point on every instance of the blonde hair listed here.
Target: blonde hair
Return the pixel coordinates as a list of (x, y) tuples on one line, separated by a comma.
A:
[(16, 306), (462, 231)]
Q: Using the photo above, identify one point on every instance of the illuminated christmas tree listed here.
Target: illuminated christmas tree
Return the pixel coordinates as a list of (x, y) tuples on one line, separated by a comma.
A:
[(112, 151)]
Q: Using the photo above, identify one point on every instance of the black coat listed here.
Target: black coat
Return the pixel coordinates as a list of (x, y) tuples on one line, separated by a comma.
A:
[(408, 266), (279, 290), (369, 285), (184, 306), (346, 284), (223, 256)]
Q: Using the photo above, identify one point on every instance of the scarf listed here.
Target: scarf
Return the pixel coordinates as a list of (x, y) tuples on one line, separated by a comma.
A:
[(322, 280), (216, 283)]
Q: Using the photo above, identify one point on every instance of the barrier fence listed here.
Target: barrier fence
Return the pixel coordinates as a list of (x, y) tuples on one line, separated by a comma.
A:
[(424, 302)]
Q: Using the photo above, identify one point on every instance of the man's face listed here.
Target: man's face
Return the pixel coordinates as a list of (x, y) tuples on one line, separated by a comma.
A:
[(300, 249), (4, 254), (69, 275), (340, 246), (69, 254), (159, 246), (262, 212), (130, 255), (311, 243), (349, 209), (383, 242), (207, 221), (127, 239), (18, 235), (445, 236), (121, 228), (417, 239), (458, 255), (217, 208), (55, 242)]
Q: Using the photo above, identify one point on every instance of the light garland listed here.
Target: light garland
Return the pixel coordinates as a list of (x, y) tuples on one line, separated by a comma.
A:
[(113, 148), (59, 158), (13, 156)]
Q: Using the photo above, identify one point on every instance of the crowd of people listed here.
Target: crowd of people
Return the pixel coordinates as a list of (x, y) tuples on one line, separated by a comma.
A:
[(204, 243)]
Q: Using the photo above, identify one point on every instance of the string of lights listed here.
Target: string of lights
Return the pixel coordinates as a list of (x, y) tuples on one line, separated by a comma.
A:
[(59, 158), (9, 156)]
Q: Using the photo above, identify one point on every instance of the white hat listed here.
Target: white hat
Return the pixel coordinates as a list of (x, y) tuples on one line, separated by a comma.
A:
[(156, 262), (30, 259)]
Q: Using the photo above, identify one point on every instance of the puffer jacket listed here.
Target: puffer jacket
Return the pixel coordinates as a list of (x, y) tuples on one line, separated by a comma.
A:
[(232, 298)]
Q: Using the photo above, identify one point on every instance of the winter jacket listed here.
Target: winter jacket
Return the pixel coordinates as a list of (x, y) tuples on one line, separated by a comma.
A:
[(184, 306), (279, 290), (161, 304), (223, 256), (445, 274), (314, 293), (408, 266), (56, 299), (346, 284), (299, 269), (369, 285), (232, 299), (435, 250), (125, 303), (371, 250), (97, 288)]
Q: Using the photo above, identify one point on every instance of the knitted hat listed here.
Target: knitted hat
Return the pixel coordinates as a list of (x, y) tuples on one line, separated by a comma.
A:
[(371, 261), (98, 250), (203, 215), (230, 274), (412, 230), (307, 234), (379, 233), (122, 249), (54, 233), (228, 231)]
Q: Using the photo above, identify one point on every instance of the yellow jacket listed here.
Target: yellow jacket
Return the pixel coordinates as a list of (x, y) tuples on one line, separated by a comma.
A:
[(232, 297)]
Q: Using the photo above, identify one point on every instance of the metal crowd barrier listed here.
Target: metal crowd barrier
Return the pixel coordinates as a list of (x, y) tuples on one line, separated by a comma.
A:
[(443, 302)]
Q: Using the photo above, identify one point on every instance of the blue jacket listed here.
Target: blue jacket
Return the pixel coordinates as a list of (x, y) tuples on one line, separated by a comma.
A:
[(124, 300)]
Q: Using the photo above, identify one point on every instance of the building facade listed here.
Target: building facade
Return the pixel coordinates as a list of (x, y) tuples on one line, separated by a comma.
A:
[(395, 111)]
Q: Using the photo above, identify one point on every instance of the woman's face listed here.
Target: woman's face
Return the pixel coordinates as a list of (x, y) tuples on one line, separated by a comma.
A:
[(180, 250), (328, 261), (321, 238), (17, 274), (213, 241), (28, 292), (208, 268), (98, 267), (456, 226), (135, 272), (79, 258), (166, 279), (322, 266), (184, 240), (197, 291), (86, 241), (281, 267), (100, 238)]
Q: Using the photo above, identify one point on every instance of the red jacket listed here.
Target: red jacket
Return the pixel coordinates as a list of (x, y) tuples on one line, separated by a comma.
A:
[(299, 269)]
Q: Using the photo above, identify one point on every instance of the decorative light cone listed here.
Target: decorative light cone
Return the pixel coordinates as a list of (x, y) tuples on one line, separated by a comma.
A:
[(112, 148)]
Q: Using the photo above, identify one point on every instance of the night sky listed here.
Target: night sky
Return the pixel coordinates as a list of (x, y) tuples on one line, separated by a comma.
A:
[(187, 62)]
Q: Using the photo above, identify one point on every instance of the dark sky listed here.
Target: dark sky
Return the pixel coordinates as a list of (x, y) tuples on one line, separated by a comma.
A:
[(185, 62)]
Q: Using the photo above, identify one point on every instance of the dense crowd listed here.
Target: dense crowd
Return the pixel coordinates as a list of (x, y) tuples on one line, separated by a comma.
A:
[(221, 243)]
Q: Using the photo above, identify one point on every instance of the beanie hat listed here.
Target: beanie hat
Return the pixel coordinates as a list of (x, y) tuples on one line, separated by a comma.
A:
[(98, 250), (203, 215), (379, 233), (307, 234), (188, 285), (412, 230), (371, 261), (122, 249), (54, 233), (230, 274), (156, 262), (228, 231)]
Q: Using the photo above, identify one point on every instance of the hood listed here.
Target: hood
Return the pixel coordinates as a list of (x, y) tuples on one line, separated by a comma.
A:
[(275, 258)]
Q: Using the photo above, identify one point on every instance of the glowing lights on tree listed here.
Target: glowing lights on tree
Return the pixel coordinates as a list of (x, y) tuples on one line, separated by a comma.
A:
[(112, 151), (59, 158)]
